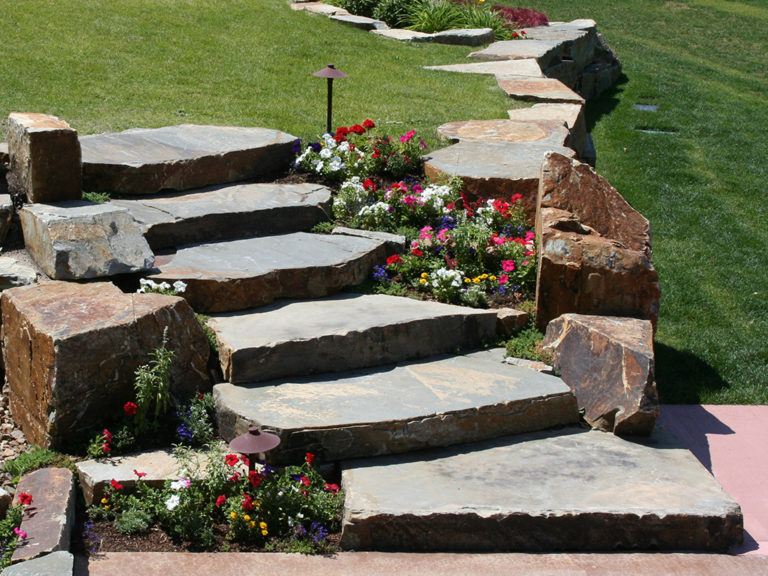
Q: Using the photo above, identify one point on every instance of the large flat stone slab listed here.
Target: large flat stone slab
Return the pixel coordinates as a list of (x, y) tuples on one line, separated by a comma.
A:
[(545, 52), (49, 519), (44, 156), (59, 563), (572, 115), (409, 406), (557, 490), (71, 351), (342, 332), (362, 22), (494, 169), (318, 8), (464, 36), (146, 161), (78, 240), (403, 35), (550, 132), (528, 68), (539, 90), (228, 211), (241, 274), (578, 39)]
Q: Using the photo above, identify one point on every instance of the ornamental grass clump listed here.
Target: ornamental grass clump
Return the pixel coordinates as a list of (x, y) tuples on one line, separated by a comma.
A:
[(219, 500)]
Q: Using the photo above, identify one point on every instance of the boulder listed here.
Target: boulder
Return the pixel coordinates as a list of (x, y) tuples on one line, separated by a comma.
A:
[(5, 502), (49, 519), (318, 8), (54, 564), (403, 35), (6, 215), (14, 273), (608, 362), (44, 157), (395, 243), (510, 321), (78, 240), (552, 132), (71, 351), (594, 248)]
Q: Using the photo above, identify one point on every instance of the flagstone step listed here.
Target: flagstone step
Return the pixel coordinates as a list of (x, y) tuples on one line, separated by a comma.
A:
[(492, 169), (241, 274), (147, 161), (342, 332), (572, 115), (545, 52), (550, 132), (408, 406), (227, 212), (538, 89), (568, 489), (526, 67)]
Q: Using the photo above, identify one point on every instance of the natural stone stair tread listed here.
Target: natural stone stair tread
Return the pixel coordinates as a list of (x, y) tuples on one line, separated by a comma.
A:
[(228, 211), (551, 132), (411, 405), (342, 332), (240, 274), (146, 161), (527, 67), (538, 89), (318, 8), (564, 489), (544, 52)]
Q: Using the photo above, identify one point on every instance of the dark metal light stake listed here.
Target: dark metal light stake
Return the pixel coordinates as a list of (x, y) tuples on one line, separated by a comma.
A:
[(330, 73), (254, 442)]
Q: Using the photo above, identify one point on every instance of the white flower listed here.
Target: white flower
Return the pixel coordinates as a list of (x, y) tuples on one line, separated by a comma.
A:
[(335, 164), (179, 286), (344, 147), (172, 501), (164, 286), (299, 515), (181, 484), (280, 494), (319, 166), (446, 277), (329, 141), (326, 153), (377, 209)]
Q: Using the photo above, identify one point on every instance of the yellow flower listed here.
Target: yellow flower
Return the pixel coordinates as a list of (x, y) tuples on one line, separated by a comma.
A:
[(492, 278), (467, 280), (483, 276), (233, 515), (424, 275), (264, 532), (104, 501), (252, 524), (246, 518), (263, 525), (422, 281), (476, 280), (106, 508)]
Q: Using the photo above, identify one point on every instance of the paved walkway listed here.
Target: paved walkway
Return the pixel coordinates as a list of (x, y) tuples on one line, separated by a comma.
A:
[(732, 442)]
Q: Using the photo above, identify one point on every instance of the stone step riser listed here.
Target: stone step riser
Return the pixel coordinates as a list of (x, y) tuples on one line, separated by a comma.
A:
[(357, 349)]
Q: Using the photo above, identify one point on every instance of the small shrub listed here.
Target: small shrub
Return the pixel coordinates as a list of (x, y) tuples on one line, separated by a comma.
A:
[(359, 7), (9, 539), (97, 197), (521, 17), (33, 459), (527, 344), (437, 16), (396, 13), (133, 521), (323, 228), (477, 16), (210, 335)]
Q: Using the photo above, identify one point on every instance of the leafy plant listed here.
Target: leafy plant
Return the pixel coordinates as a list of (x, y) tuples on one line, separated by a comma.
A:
[(97, 197), (436, 16), (521, 17), (478, 16), (396, 13), (9, 539), (528, 344), (323, 228), (359, 7), (34, 458), (153, 386)]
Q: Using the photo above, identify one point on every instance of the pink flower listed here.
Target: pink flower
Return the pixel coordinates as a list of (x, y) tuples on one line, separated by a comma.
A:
[(417, 189), (503, 279), (407, 136), (425, 233), (530, 236), (498, 240), (20, 533), (139, 474), (525, 262), (409, 200), (443, 236), (508, 265)]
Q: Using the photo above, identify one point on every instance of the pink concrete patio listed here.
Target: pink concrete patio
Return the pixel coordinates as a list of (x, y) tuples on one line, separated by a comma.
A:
[(732, 442)]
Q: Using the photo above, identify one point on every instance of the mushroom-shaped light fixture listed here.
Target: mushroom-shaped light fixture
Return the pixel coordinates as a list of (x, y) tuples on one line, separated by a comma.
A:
[(254, 442)]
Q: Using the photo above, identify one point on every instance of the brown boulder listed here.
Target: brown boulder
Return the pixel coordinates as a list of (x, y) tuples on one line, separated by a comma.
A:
[(594, 248), (608, 362), (71, 351), (45, 159)]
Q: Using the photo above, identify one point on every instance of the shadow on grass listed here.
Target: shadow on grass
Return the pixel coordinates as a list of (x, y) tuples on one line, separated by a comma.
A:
[(682, 377), (605, 104)]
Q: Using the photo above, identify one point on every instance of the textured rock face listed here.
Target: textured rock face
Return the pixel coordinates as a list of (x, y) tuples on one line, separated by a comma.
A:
[(6, 214), (240, 274), (409, 406), (71, 351), (228, 212), (146, 161), (594, 248), (562, 490), (54, 564), (14, 273), (510, 321), (608, 362), (50, 525), (464, 36), (44, 157), (78, 240)]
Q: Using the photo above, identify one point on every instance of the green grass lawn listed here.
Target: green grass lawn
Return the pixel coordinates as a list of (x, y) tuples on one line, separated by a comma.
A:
[(109, 66)]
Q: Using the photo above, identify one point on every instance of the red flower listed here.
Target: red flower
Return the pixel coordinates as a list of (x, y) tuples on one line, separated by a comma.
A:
[(244, 460), (235, 477), (247, 503), (25, 498), (332, 488), (516, 198), (375, 154), (357, 129), (309, 457), (417, 252), (368, 124), (394, 259), (106, 448), (255, 478), (107, 435), (130, 408), (139, 474), (231, 459), (115, 484), (220, 501), (369, 184), (305, 480)]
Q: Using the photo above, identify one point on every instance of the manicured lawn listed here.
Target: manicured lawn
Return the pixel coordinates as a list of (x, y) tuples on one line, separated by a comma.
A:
[(151, 63)]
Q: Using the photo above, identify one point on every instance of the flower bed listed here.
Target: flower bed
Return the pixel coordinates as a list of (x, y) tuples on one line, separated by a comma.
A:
[(475, 251)]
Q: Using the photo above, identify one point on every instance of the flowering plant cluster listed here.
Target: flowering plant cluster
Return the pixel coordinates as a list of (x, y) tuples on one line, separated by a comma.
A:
[(359, 150), (220, 497), (11, 534), (460, 250)]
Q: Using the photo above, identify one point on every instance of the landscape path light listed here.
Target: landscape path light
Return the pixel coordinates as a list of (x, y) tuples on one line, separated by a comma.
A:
[(330, 73), (254, 443)]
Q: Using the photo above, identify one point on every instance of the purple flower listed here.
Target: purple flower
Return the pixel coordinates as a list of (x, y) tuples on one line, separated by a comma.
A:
[(380, 273), (318, 532), (315, 147), (448, 222), (296, 146), (184, 433)]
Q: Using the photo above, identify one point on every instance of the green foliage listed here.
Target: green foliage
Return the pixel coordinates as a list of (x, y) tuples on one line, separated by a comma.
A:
[(153, 387), (396, 13), (8, 539), (436, 16), (34, 458), (197, 420), (359, 7), (133, 521), (97, 197), (323, 227), (527, 344), (478, 16), (210, 335)]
